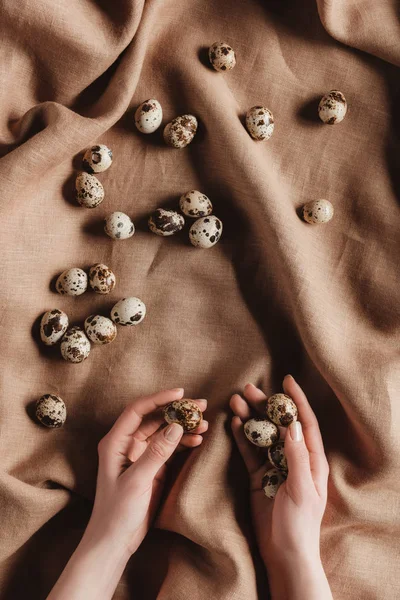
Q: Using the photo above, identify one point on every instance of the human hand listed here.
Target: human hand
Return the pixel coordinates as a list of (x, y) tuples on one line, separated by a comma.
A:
[(288, 527), (132, 468)]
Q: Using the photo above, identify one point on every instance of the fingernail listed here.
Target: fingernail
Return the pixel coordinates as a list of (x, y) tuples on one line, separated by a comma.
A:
[(177, 390), (296, 431), (288, 375), (173, 432)]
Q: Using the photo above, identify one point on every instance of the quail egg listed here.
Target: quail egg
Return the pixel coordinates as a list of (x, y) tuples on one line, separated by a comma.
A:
[(261, 432), (51, 411), (165, 222), (101, 279), (89, 190), (97, 159), (119, 226), (281, 410), (276, 456), (260, 123), (72, 282), (195, 204), (222, 57), (184, 412), (53, 325), (272, 481), (148, 116), (318, 211), (332, 107), (100, 330), (128, 311), (75, 347), (181, 131), (205, 232)]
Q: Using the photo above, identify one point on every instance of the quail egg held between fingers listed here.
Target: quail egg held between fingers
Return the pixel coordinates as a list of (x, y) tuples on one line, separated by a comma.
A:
[(272, 481), (222, 56), (101, 279), (194, 204), (261, 432), (277, 457), (332, 108), (165, 222), (97, 159), (260, 123), (89, 190), (318, 212), (51, 411), (53, 325), (281, 410), (180, 131), (119, 226), (184, 412), (100, 330), (148, 116), (128, 311), (205, 232), (72, 282), (75, 346)]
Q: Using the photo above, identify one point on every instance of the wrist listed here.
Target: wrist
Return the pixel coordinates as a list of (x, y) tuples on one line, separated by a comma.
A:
[(102, 542), (298, 576)]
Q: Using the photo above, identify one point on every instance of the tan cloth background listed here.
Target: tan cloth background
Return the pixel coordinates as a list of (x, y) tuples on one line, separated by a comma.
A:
[(275, 296)]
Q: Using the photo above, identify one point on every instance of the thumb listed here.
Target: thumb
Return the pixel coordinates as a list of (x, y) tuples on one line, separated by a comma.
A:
[(160, 448), (298, 460)]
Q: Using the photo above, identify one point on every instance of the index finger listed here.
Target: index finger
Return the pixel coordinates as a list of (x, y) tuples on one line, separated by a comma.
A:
[(311, 432)]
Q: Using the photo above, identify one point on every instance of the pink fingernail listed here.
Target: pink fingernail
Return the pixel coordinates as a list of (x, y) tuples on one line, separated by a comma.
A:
[(173, 432), (296, 431), (177, 390)]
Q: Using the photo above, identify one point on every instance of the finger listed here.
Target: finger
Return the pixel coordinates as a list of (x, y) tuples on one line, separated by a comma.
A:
[(114, 447), (298, 459), (312, 433), (249, 453), (255, 397), (160, 447), (240, 407), (190, 441)]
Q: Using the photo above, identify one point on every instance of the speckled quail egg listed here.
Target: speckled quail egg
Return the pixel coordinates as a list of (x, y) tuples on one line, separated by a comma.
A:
[(101, 279), (195, 204), (318, 211), (332, 107), (75, 347), (181, 131), (165, 222), (260, 123), (205, 232), (97, 159), (276, 456), (51, 411), (148, 116), (89, 190), (272, 481), (281, 410), (222, 57), (72, 282), (53, 325), (119, 226), (100, 330), (261, 432), (184, 412), (128, 311)]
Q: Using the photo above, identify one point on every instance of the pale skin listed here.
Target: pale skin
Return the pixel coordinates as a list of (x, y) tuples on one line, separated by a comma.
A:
[(133, 461)]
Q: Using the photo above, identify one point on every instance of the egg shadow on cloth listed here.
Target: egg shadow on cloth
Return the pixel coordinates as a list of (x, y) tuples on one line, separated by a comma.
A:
[(202, 55), (95, 228), (309, 111), (51, 352)]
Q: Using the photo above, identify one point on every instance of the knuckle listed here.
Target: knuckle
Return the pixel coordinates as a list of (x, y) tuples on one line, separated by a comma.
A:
[(157, 451)]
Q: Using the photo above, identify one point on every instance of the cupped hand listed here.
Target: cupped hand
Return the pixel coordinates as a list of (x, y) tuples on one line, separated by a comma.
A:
[(132, 468), (288, 526)]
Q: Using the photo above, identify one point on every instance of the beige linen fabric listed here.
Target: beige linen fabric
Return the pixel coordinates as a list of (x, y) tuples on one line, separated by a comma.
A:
[(274, 296)]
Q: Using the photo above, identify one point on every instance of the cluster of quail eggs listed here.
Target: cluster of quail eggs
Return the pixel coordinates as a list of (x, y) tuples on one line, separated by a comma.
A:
[(178, 133), (75, 342), (264, 432), (206, 230)]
